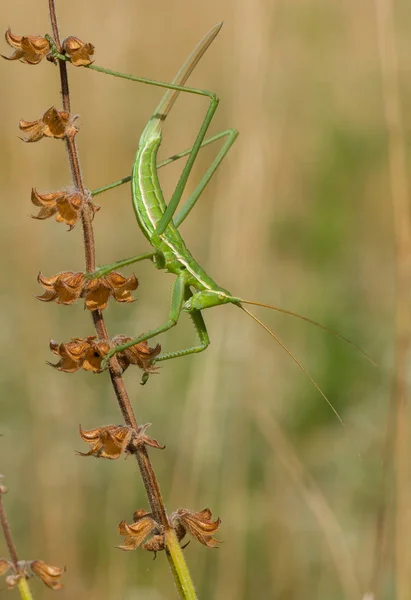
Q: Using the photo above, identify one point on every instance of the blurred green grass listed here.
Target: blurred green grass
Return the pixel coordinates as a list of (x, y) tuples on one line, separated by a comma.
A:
[(299, 216)]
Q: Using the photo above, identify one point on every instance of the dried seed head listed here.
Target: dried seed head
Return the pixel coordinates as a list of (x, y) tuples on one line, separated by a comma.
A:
[(67, 287), (67, 206), (200, 525), (140, 354), (155, 544), (19, 571), (54, 123), (137, 532), (140, 438), (26, 568), (30, 49), (64, 288), (89, 353), (107, 442), (78, 52), (110, 441), (48, 574), (97, 291), (80, 353), (13, 578)]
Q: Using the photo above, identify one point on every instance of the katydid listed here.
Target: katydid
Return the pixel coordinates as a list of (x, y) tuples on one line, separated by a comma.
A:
[(193, 289)]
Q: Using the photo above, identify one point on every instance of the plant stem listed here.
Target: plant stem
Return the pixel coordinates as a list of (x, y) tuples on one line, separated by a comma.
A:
[(24, 589), (174, 554), (179, 567), (7, 534), (22, 582)]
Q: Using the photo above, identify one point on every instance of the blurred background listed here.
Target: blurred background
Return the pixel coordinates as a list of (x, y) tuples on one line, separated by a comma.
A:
[(299, 215)]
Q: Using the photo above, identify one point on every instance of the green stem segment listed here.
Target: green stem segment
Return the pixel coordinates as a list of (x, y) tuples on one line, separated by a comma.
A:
[(24, 589), (179, 567)]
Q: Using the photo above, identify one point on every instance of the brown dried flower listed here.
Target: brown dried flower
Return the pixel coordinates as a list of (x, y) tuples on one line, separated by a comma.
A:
[(140, 354), (30, 49), (89, 353), (200, 525), (111, 440), (137, 532), (54, 123), (48, 574), (26, 568), (80, 353), (66, 205), (155, 544), (114, 284), (22, 570), (78, 52), (67, 287), (64, 288)]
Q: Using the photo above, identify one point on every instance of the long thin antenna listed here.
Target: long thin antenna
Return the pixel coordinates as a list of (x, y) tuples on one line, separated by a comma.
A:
[(297, 362), (293, 314)]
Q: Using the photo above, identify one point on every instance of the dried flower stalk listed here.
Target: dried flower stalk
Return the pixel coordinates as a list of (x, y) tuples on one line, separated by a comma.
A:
[(19, 571), (154, 530)]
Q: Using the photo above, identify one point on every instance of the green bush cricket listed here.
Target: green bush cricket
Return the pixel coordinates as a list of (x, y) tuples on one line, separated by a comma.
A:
[(193, 289)]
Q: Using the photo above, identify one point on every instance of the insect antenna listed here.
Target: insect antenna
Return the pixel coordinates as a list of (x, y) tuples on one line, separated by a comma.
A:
[(307, 320), (295, 359)]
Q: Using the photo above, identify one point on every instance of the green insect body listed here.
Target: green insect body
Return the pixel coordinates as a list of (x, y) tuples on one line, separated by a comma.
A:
[(159, 223), (149, 207)]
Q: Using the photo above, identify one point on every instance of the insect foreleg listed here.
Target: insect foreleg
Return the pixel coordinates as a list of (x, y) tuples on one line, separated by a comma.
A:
[(161, 164), (106, 269), (175, 312)]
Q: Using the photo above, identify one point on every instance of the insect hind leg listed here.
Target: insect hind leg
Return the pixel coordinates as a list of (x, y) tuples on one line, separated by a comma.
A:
[(232, 135), (201, 330)]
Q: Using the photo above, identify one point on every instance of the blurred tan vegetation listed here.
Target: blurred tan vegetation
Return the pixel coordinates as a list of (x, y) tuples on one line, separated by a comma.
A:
[(299, 215)]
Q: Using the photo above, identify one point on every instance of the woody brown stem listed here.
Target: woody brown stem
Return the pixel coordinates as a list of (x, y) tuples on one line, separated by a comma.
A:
[(146, 469), (54, 26), (7, 534)]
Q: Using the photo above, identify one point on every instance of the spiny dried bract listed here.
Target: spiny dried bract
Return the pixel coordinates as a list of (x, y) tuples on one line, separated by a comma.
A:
[(67, 287), (65, 205), (111, 441), (54, 124), (140, 354), (79, 52), (30, 49), (49, 574), (80, 353), (200, 525)]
